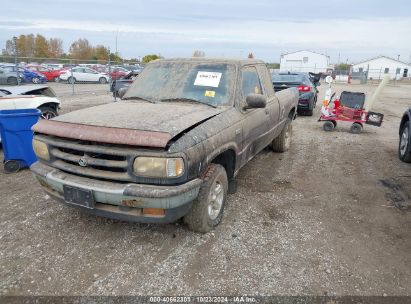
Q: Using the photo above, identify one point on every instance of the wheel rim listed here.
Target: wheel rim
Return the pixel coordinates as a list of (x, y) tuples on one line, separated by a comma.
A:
[(404, 141), (216, 199), (288, 134), (35, 80), (47, 115)]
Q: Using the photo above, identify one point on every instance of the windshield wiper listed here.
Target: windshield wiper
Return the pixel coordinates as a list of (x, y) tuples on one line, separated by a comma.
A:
[(140, 98), (189, 100)]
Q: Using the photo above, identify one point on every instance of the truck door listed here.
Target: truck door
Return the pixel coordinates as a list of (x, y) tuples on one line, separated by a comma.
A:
[(273, 104), (255, 122)]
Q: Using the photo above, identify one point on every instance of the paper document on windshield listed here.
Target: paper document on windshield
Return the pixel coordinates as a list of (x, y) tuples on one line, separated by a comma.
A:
[(208, 79)]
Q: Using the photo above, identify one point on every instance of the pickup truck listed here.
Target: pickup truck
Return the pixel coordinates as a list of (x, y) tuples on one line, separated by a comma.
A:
[(171, 147)]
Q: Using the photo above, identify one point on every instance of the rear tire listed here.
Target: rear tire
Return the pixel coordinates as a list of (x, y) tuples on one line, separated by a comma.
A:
[(57, 79), (12, 81), (404, 152), (102, 80), (356, 128), (35, 80), (207, 209), (71, 80), (47, 112), (283, 141), (329, 125)]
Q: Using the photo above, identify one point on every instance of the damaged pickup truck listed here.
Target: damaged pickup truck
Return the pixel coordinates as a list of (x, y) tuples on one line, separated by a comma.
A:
[(172, 147)]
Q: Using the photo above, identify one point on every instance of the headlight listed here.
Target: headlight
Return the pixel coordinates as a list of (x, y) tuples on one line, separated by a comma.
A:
[(41, 150), (158, 167)]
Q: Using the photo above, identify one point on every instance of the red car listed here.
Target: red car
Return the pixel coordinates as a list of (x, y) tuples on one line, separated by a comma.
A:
[(51, 75), (116, 73)]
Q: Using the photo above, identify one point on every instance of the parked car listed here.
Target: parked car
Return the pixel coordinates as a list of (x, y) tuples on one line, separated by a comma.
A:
[(51, 75), (172, 147), (123, 82), (307, 90), (404, 147), (28, 75), (118, 72), (30, 97), (9, 76), (82, 74)]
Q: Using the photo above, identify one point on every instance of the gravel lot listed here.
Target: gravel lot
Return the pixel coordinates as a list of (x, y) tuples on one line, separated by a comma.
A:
[(316, 220)]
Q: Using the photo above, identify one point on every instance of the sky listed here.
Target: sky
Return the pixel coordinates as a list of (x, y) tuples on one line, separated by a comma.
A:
[(346, 30)]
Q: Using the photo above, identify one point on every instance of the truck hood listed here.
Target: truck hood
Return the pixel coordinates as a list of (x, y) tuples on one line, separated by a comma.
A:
[(132, 123)]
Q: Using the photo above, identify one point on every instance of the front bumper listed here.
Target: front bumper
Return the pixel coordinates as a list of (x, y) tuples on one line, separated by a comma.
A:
[(121, 201)]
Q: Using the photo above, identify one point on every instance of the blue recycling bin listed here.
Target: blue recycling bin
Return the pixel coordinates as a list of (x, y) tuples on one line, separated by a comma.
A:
[(16, 137)]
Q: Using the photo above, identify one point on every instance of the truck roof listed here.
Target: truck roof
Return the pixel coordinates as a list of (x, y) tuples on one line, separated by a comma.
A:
[(238, 61)]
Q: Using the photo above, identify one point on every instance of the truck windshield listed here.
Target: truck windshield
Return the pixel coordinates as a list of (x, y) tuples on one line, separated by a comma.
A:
[(185, 81)]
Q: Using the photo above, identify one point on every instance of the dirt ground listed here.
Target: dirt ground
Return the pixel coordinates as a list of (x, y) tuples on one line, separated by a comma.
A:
[(316, 220)]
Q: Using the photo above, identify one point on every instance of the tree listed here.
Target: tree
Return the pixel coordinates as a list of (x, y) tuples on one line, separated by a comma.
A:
[(198, 53), (41, 47), (148, 58), (81, 49), (115, 57), (101, 52), (55, 47)]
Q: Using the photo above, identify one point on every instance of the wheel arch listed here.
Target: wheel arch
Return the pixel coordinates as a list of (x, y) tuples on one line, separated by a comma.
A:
[(227, 159)]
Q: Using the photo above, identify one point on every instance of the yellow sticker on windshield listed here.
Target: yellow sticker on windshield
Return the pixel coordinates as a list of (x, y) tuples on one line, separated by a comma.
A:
[(209, 93)]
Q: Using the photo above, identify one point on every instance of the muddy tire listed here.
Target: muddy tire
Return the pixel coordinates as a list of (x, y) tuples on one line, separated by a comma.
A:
[(404, 151), (283, 142), (329, 125), (207, 209), (356, 128), (47, 112)]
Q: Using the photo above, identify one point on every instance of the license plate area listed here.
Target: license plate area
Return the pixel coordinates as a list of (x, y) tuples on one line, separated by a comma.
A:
[(80, 197)]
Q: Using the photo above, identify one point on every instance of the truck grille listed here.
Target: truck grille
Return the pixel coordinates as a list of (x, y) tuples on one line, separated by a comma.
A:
[(89, 159)]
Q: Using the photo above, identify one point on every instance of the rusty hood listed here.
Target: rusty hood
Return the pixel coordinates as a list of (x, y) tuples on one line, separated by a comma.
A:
[(131, 123)]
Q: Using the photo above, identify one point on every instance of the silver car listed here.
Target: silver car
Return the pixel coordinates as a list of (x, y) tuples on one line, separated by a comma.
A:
[(7, 76)]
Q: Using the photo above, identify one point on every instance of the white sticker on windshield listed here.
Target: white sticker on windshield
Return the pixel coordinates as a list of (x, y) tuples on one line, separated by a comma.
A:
[(208, 79)]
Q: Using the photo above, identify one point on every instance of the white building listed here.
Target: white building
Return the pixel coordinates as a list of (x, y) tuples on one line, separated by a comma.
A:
[(378, 66), (305, 61)]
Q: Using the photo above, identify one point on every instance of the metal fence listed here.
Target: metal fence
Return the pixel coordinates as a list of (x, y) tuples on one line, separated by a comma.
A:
[(100, 66)]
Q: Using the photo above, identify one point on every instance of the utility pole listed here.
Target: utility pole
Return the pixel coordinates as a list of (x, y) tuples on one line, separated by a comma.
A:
[(398, 57), (116, 42), (15, 59)]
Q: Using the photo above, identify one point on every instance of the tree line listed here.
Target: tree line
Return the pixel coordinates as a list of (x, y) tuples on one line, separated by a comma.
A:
[(38, 46)]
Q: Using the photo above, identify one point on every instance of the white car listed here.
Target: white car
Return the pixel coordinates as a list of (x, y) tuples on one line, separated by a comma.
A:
[(30, 97), (82, 74)]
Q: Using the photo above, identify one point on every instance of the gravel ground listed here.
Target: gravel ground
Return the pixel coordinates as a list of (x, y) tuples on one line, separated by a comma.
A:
[(315, 220)]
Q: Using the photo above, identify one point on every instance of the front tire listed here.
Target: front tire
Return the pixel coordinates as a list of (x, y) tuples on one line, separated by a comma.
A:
[(356, 128), (35, 80), (207, 210), (71, 80), (404, 152), (102, 80), (283, 141), (57, 79), (47, 112)]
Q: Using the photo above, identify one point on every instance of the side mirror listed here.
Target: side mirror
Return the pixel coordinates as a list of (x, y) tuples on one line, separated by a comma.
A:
[(255, 101), (122, 92)]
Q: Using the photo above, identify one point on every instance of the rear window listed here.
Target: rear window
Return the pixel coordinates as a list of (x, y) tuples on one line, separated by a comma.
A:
[(287, 78)]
